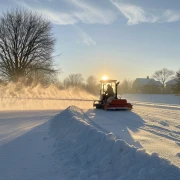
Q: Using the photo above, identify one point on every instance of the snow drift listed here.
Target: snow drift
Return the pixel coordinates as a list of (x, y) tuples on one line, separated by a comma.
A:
[(16, 96), (86, 153)]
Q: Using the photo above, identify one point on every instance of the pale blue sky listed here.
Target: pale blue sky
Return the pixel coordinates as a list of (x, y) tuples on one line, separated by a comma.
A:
[(120, 38)]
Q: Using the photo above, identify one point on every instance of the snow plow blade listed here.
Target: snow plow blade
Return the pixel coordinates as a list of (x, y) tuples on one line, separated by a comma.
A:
[(115, 104), (118, 104)]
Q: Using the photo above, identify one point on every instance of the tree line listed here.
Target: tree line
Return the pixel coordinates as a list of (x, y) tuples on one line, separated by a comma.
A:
[(92, 84)]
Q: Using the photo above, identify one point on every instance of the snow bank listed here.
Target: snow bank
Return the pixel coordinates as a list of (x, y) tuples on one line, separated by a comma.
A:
[(89, 154), (18, 97)]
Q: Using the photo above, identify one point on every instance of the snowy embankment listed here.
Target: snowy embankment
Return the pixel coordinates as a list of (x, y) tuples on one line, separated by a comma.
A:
[(87, 153)]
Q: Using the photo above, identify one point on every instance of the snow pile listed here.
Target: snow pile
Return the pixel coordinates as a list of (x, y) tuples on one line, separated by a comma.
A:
[(88, 154), (19, 97)]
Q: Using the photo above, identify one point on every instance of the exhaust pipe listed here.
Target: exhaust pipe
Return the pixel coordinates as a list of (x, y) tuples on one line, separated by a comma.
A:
[(116, 90)]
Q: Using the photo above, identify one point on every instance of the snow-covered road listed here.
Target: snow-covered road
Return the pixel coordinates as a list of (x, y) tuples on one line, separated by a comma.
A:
[(25, 151), (16, 123), (152, 127)]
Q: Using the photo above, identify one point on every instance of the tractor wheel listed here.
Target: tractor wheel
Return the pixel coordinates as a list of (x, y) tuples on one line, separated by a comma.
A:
[(98, 106), (105, 107)]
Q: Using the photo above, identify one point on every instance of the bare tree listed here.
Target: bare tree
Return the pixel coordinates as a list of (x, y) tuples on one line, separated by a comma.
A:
[(163, 76), (91, 81), (73, 80), (177, 85), (26, 44), (125, 86), (91, 85), (44, 75)]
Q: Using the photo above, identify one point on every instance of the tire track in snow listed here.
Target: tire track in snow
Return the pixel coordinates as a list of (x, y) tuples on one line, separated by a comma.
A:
[(160, 121), (152, 128), (156, 129)]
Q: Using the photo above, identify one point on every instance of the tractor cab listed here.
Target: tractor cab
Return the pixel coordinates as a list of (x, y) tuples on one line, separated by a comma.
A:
[(108, 97), (104, 89)]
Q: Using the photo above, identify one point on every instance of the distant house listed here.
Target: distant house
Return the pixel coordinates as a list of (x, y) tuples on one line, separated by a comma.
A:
[(147, 86), (169, 85)]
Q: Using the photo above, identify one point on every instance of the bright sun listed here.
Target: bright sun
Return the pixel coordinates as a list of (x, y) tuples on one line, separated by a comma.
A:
[(104, 78)]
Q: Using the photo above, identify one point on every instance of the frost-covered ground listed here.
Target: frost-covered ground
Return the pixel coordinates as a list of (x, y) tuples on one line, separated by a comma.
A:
[(87, 144)]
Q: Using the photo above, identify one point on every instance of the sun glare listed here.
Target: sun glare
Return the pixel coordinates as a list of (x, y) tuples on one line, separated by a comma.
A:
[(104, 78)]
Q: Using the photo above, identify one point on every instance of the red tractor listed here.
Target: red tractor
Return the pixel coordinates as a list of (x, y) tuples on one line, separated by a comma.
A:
[(110, 101)]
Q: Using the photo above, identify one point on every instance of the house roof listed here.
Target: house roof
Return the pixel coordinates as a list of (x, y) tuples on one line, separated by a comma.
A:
[(142, 81), (146, 81), (153, 81), (172, 82)]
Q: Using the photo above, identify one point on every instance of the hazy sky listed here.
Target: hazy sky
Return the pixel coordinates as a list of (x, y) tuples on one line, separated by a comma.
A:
[(120, 38)]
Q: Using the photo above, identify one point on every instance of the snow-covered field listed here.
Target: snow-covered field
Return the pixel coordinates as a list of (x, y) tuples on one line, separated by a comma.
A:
[(153, 98), (81, 143)]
